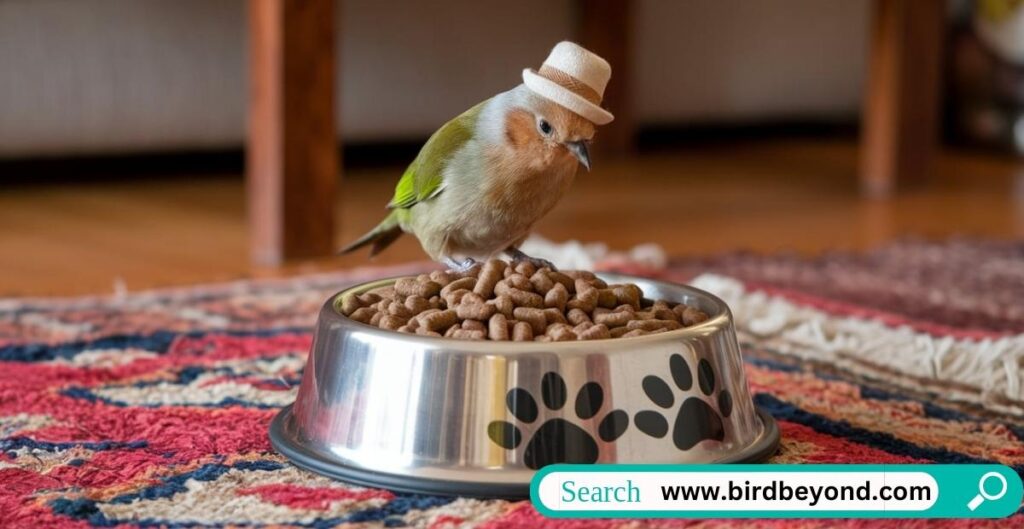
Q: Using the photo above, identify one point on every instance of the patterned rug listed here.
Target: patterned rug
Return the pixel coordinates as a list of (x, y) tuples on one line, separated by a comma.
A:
[(151, 409)]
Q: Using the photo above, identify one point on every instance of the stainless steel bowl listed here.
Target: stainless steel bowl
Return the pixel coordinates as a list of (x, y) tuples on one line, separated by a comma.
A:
[(444, 416)]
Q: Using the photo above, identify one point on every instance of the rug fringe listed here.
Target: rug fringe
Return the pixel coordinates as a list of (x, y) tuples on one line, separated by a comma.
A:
[(986, 372)]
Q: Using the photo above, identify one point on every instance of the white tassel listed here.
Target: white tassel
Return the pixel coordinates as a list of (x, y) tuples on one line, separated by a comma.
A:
[(991, 370)]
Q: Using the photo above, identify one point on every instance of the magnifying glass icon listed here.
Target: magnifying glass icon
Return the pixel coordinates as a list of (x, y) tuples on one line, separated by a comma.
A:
[(982, 495)]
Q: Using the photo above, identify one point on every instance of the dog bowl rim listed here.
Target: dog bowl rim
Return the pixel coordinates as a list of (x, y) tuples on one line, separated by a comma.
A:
[(722, 317), (760, 449)]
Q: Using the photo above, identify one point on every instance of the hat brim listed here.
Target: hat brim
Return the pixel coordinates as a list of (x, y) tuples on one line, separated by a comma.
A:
[(551, 90)]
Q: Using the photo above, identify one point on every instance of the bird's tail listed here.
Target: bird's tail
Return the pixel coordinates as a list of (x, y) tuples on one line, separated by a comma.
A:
[(381, 236)]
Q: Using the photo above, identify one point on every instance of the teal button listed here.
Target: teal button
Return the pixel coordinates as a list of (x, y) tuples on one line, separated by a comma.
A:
[(777, 491)]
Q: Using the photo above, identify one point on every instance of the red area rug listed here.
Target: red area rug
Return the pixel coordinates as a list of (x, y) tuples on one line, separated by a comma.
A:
[(151, 409)]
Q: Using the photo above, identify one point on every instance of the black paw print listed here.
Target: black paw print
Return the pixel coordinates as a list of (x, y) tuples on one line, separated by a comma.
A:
[(557, 440), (696, 421)]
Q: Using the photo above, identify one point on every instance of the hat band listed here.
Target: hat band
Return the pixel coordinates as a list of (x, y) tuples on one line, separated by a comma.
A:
[(570, 83)]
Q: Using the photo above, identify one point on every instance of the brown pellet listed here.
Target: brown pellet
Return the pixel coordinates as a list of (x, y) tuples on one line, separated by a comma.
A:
[(534, 316), (350, 304), (628, 295), (526, 268), (519, 281), (390, 322), (606, 298), (419, 317), (564, 280), (522, 332), (497, 327), (562, 334), (397, 308), (664, 313), (463, 334), (595, 332), (441, 277), (476, 311), (542, 284), (554, 316), (363, 314), (650, 325), (439, 321), (370, 298), (473, 307), (455, 297), (490, 274), (556, 297), (505, 305), (474, 325), (577, 316), (408, 286), (691, 315), (416, 304), (585, 298), (644, 315), (375, 319), (580, 274), (465, 283), (520, 298), (582, 327), (556, 327), (613, 319)]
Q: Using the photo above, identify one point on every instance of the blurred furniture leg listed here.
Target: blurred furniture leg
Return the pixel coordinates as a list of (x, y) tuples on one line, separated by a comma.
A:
[(292, 155), (605, 28), (901, 110)]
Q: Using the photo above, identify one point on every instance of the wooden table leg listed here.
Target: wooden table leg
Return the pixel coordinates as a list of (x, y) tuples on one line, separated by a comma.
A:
[(901, 108), (292, 155), (605, 28)]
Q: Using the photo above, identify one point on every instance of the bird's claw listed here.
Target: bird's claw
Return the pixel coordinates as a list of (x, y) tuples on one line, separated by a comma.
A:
[(462, 266), (520, 257), (539, 263)]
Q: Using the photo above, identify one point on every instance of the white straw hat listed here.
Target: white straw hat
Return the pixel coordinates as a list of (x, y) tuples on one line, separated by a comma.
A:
[(574, 78)]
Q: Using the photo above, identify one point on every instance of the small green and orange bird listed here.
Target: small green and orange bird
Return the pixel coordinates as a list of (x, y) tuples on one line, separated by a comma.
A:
[(484, 178)]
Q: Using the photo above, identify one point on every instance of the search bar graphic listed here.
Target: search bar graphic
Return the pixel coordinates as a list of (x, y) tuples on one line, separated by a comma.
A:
[(777, 491)]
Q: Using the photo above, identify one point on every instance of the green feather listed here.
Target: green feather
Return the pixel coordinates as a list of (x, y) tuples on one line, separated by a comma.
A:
[(422, 180)]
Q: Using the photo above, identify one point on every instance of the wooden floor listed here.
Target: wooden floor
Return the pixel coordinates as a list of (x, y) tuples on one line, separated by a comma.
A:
[(65, 239)]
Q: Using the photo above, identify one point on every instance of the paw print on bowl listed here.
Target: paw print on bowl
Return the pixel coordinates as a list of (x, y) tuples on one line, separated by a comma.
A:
[(695, 420), (557, 440)]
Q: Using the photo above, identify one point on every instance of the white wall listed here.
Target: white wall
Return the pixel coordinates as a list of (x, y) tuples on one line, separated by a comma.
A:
[(747, 59), (84, 76)]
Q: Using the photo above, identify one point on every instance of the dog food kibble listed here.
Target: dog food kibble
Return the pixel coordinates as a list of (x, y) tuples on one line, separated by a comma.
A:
[(518, 302), (522, 332)]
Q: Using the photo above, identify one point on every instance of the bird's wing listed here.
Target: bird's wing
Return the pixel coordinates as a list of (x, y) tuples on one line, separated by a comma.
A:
[(424, 178)]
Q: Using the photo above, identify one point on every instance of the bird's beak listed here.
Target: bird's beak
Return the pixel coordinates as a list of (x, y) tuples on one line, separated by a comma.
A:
[(580, 151)]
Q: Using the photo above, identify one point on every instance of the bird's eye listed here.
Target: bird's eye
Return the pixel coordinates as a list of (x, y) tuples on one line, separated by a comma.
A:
[(545, 127)]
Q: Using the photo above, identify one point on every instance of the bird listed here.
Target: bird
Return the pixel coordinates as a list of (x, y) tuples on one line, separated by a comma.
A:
[(483, 179)]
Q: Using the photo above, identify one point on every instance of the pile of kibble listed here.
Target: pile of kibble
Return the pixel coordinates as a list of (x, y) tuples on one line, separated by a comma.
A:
[(501, 301)]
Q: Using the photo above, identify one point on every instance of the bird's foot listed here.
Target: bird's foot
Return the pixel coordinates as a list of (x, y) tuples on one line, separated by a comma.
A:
[(519, 257), (462, 266)]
